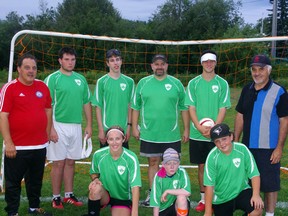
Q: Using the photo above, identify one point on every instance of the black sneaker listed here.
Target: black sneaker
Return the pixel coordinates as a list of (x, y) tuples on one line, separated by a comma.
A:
[(146, 202), (39, 211), (13, 214)]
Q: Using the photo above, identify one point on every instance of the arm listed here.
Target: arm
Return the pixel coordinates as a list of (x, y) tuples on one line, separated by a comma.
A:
[(221, 115), (175, 192), (283, 130), (88, 115), (101, 132), (238, 126), (135, 117), (256, 199), (10, 149), (208, 200), (205, 131), (155, 211), (186, 123), (49, 122), (128, 130), (135, 200)]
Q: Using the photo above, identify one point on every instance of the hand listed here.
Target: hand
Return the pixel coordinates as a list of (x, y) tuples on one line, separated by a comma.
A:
[(164, 196), (10, 150), (54, 135), (205, 131), (102, 137), (276, 156), (256, 202), (185, 137), (136, 132)]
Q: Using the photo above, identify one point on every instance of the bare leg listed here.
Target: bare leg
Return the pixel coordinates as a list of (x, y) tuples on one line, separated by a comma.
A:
[(69, 175), (153, 168), (270, 201), (57, 176), (200, 177)]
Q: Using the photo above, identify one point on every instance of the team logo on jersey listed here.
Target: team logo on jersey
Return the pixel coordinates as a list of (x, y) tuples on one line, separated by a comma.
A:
[(168, 86), (123, 86), (175, 184), (121, 169), (237, 162), (78, 82), (39, 94), (215, 88)]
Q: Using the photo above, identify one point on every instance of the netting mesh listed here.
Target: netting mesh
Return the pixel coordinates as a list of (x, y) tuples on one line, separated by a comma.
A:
[(184, 58)]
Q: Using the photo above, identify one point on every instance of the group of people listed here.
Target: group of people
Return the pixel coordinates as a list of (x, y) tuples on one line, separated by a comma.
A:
[(149, 112)]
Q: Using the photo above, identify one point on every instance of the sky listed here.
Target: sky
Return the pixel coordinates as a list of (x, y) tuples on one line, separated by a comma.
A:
[(252, 10)]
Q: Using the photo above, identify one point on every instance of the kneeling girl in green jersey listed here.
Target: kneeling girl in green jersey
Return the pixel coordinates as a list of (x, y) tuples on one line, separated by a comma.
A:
[(116, 179)]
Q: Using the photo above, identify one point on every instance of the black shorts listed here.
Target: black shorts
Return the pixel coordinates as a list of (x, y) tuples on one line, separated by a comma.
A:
[(171, 211), (125, 144), (242, 202), (150, 149), (199, 151), (117, 203), (269, 173)]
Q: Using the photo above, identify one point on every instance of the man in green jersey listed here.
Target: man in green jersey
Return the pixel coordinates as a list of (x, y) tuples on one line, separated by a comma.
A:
[(116, 177), (228, 168), (70, 96), (171, 187), (159, 98), (208, 96), (112, 97)]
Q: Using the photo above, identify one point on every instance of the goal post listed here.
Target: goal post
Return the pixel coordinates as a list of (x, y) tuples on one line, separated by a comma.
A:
[(233, 60)]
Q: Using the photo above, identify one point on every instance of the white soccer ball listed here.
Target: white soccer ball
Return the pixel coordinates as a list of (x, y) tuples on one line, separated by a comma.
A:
[(207, 122)]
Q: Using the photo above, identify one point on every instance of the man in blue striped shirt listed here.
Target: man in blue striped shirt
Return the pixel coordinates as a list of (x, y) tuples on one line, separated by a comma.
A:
[(262, 115)]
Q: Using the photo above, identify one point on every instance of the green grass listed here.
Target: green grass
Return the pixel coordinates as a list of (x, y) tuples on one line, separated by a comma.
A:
[(82, 178)]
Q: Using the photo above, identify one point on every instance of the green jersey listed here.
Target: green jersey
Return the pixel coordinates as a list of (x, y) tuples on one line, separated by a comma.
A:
[(117, 176), (69, 94), (113, 97), (180, 180), (159, 103), (207, 97), (229, 174)]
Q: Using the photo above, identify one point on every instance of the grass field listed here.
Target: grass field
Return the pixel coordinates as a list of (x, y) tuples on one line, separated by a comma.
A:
[(82, 179)]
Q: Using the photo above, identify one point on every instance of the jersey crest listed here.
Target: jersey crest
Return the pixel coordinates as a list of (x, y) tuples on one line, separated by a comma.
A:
[(39, 94), (175, 184), (123, 86), (237, 162), (78, 82), (168, 86), (215, 88), (121, 169)]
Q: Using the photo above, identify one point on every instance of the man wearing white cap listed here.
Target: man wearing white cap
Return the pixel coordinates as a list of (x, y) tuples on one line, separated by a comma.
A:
[(208, 96), (171, 187)]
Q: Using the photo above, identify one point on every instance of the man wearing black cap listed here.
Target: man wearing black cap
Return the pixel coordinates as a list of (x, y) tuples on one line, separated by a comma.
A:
[(112, 95), (262, 115), (227, 169), (159, 98)]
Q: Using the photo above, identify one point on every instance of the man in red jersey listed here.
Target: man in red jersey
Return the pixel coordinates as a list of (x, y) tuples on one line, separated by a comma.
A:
[(25, 120)]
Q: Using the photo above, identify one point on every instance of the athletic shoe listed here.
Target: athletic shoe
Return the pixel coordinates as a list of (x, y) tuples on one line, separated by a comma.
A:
[(13, 214), (72, 200), (39, 211), (200, 207), (146, 202), (56, 203)]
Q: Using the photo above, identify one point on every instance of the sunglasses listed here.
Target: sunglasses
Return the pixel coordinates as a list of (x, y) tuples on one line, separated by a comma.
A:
[(113, 52)]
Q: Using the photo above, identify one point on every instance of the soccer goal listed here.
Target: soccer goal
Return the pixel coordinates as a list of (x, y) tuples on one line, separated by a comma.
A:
[(233, 61)]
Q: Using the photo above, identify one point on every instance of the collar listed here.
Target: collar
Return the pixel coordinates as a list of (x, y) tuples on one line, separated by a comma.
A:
[(266, 87)]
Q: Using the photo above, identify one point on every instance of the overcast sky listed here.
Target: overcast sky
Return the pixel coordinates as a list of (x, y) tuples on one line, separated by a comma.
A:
[(252, 10)]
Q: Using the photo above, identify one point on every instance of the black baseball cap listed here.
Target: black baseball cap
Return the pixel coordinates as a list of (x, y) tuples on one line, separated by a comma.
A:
[(260, 60), (159, 57), (219, 131), (112, 52)]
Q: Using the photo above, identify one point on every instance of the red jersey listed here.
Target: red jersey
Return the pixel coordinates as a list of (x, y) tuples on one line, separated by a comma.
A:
[(26, 106)]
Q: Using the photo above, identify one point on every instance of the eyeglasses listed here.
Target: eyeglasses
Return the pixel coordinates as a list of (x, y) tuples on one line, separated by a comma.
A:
[(112, 52)]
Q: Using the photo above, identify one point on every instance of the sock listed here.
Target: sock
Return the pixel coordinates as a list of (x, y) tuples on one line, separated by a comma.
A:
[(55, 196), (202, 194), (94, 207), (182, 212), (32, 209), (269, 214), (67, 194)]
